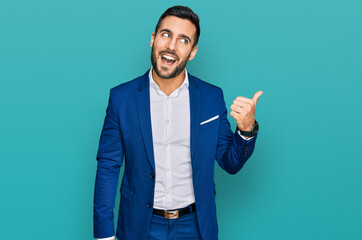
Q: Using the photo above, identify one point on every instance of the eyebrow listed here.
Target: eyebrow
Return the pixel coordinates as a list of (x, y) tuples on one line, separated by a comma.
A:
[(182, 35)]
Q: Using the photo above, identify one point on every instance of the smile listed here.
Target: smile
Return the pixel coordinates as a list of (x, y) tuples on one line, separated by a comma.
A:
[(167, 59)]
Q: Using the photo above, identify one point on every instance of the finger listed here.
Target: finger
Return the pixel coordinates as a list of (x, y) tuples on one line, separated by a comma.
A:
[(233, 114), (238, 109), (243, 104), (256, 96), (244, 99), (236, 115)]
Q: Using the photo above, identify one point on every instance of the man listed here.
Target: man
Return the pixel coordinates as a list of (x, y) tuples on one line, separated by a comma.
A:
[(170, 127)]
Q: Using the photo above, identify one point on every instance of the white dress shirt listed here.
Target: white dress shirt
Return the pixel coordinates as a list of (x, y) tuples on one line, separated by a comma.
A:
[(170, 120)]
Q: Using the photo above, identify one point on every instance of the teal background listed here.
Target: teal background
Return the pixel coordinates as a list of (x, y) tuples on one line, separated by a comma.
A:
[(58, 60)]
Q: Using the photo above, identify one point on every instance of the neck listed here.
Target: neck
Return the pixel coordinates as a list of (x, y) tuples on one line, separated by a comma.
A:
[(168, 85)]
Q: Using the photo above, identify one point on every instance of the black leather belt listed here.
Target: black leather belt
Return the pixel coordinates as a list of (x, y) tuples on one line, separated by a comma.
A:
[(173, 214)]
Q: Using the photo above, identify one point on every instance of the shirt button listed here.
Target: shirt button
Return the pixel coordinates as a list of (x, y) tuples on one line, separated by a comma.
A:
[(152, 175), (167, 192), (166, 144), (168, 169), (168, 121), (149, 205)]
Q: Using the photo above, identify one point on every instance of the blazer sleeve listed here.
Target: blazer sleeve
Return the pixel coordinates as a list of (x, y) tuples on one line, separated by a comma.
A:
[(109, 157), (232, 150)]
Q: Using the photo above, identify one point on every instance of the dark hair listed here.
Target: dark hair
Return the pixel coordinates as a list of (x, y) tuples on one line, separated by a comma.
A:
[(184, 13)]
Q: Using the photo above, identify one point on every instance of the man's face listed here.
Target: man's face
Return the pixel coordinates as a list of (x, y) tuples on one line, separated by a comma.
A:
[(172, 46)]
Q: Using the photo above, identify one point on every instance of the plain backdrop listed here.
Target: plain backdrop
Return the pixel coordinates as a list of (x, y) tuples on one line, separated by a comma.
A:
[(59, 59)]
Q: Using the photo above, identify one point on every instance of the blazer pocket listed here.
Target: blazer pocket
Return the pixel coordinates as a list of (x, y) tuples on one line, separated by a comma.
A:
[(125, 192), (209, 121)]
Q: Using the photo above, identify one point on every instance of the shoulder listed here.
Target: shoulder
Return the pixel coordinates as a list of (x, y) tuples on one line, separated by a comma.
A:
[(130, 87), (205, 87)]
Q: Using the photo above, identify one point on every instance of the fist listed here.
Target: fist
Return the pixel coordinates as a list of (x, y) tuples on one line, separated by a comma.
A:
[(243, 110)]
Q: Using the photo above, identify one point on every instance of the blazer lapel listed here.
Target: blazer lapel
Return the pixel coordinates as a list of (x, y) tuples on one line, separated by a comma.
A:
[(144, 114), (195, 114)]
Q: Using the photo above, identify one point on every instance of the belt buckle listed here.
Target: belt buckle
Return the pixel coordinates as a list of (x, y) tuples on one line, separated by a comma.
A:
[(171, 214)]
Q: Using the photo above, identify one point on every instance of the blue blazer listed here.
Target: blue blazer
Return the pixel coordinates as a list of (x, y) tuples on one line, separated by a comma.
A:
[(127, 135)]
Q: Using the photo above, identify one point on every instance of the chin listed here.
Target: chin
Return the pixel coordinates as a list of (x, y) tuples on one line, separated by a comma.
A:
[(165, 72)]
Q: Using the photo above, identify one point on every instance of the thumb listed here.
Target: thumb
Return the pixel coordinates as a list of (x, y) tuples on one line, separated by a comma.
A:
[(256, 96)]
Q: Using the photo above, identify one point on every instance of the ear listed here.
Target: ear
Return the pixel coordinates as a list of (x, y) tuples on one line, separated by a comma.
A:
[(152, 39), (193, 52)]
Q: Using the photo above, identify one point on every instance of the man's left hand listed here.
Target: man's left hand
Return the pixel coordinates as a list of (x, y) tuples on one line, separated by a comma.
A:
[(243, 110)]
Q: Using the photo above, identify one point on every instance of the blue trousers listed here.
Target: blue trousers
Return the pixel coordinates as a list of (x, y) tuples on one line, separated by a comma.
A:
[(182, 228)]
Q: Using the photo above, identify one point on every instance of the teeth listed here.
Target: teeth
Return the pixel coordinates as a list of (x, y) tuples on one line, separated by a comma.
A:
[(168, 57)]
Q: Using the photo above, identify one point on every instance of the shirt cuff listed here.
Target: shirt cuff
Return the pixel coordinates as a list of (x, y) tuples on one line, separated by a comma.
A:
[(108, 238), (244, 137)]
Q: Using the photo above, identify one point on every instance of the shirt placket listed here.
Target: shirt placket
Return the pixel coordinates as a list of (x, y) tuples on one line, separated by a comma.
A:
[(168, 148)]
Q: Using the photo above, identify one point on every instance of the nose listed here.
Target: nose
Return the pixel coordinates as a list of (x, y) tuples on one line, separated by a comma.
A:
[(172, 44)]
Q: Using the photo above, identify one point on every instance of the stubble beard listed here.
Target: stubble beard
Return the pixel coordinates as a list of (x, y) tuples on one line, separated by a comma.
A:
[(179, 68)]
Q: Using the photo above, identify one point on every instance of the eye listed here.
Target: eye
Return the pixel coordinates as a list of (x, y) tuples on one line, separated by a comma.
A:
[(165, 34), (184, 40)]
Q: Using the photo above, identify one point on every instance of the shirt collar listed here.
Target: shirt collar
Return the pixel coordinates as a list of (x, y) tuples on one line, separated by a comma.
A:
[(153, 84)]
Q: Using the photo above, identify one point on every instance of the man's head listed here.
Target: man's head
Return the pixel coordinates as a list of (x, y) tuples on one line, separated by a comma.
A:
[(184, 13), (174, 41)]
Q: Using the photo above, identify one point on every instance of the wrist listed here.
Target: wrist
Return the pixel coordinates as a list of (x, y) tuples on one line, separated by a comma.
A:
[(250, 132)]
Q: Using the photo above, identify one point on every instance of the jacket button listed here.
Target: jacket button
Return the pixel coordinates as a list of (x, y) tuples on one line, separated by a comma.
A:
[(152, 175), (246, 150), (149, 205)]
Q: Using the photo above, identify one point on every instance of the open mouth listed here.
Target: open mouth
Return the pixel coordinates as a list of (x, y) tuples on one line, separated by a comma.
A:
[(167, 59)]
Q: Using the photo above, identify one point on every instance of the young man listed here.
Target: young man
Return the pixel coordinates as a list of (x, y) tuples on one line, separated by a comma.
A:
[(170, 127)]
